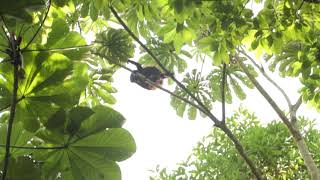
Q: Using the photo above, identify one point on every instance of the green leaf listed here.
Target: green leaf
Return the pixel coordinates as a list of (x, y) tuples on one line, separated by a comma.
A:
[(192, 113), (91, 157), (254, 44), (57, 120), (103, 117), (114, 144), (170, 36), (76, 116), (59, 30), (93, 12), (72, 39), (23, 167), (19, 137)]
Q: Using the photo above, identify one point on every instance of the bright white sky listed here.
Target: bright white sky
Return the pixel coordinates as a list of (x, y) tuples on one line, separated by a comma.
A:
[(164, 138)]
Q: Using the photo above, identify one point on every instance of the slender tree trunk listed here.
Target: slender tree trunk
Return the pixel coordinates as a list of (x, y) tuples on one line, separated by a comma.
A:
[(303, 149), (306, 155)]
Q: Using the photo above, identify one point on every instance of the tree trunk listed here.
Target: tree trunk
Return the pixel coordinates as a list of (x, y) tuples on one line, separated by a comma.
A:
[(306, 155)]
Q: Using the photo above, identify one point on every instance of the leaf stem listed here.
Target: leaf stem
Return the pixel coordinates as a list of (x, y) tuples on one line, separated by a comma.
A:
[(13, 107), (34, 147), (18, 100), (59, 49), (41, 24)]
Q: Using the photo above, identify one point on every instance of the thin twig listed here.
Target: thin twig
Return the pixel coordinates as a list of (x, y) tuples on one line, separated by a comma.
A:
[(269, 99), (223, 102), (34, 147), (19, 34), (300, 6), (13, 107), (293, 112), (268, 78), (4, 31), (208, 112), (41, 24), (59, 49), (18, 100)]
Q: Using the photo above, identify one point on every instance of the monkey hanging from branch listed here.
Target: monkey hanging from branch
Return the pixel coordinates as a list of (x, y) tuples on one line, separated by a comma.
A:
[(151, 73)]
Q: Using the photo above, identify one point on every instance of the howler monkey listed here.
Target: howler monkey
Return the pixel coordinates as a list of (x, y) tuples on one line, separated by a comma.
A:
[(151, 73)]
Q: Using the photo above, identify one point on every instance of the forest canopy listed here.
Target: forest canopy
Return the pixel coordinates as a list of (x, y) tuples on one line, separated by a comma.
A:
[(58, 59)]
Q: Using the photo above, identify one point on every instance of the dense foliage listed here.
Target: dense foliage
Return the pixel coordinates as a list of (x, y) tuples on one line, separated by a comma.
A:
[(270, 145), (56, 84)]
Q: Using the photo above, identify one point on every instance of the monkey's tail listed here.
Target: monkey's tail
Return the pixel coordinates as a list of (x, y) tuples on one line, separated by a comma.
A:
[(139, 67)]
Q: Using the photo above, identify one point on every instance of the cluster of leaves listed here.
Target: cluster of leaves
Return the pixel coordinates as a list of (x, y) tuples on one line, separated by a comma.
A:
[(270, 146), (208, 88), (173, 61), (290, 31)]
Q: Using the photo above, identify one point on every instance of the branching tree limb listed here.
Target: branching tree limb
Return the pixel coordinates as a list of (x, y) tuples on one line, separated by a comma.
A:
[(208, 112), (217, 123), (268, 78), (304, 151)]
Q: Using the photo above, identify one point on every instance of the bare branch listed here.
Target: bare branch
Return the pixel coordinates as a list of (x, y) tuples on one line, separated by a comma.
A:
[(223, 83), (267, 77)]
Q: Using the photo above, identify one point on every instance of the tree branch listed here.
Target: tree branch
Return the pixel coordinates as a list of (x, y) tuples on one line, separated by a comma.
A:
[(34, 147), (268, 78), (217, 123), (208, 112), (59, 49), (294, 109), (18, 100), (13, 107), (223, 102), (156, 85), (268, 98), (41, 24)]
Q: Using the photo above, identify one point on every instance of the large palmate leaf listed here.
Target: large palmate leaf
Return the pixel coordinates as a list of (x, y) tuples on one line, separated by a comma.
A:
[(198, 86), (23, 167), (167, 56), (236, 81), (89, 152), (20, 137), (114, 45), (20, 9), (48, 76)]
